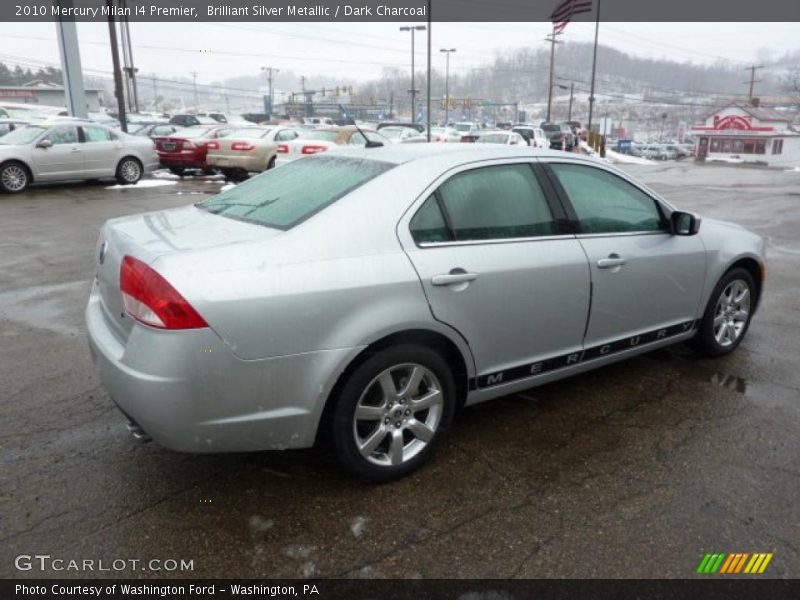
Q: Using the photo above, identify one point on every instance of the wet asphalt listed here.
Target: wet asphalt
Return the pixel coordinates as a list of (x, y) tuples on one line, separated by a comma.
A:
[(634, 470)]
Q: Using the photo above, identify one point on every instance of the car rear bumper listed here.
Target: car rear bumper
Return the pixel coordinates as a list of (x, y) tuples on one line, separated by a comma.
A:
[(189, 392), (186, 161), (245, 163)]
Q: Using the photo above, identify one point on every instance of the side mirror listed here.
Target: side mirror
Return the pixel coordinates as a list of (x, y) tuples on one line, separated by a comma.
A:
[(684, 223), (45, 144)]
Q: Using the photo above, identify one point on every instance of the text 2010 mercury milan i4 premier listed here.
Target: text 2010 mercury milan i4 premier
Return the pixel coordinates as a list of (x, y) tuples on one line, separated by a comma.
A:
[(363, 295)]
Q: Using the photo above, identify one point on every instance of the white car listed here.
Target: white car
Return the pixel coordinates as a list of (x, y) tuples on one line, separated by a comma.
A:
[(403, 135), (68, 150), (447, 135), (506, 138), (535, 137), (314, 141)]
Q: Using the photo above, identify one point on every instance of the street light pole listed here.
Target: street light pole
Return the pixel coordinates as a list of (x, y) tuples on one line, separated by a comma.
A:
[(447, 51), (270, 71), (413, 89)]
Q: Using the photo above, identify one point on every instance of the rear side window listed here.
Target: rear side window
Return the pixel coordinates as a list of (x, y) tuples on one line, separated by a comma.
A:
[(605, 203), (490, 203), (281, 198)]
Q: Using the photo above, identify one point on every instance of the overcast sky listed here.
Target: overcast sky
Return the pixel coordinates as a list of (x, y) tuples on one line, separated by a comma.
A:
[(358, 51)]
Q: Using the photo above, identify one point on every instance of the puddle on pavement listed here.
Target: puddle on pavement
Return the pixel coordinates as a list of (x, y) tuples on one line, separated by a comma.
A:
[(730, 382)]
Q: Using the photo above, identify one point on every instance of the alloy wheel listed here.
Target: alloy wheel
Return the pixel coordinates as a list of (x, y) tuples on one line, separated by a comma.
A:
[(398, 414), (130, 171), (14, 178), (732, 312)]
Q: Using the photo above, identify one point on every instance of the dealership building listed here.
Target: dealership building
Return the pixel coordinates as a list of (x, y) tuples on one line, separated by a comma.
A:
[(46, 94), (749, 134)]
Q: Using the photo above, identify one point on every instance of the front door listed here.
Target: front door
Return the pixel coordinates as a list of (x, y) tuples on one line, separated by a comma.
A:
[(495, 267), (62, 160), (646, 282)]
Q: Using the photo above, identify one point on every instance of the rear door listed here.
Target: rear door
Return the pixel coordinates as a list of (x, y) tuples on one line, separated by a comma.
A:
[(646, 282), (100, 150), (64, 159), (495, 265)]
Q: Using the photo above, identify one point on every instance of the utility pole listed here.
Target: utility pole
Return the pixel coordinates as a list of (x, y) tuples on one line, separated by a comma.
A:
[(270, 71), (553, 41), (428, 113), (753, 79), (194, 81), (594, 66), (413, 90), (155, 93), (127, 47), (112, 34), (447, 51)]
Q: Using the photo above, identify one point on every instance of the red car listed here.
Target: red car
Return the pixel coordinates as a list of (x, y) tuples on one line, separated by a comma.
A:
[(186, 148)]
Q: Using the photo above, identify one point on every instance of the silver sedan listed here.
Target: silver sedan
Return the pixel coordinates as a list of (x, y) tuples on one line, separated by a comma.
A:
[(361, 297), (70, 150)]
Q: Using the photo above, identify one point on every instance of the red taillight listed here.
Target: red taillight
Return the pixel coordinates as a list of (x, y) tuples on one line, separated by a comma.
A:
[(313, 149), (212, 145), (150, 299), (283, 149), (243, 146)]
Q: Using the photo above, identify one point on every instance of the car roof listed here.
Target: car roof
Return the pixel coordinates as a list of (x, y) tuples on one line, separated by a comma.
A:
[(450, 154)]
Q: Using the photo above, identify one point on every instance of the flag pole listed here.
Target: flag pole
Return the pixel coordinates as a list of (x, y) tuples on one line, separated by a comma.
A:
[(594, 67)]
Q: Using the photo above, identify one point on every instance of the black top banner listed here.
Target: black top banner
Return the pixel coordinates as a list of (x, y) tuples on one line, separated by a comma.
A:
[(398, 10)]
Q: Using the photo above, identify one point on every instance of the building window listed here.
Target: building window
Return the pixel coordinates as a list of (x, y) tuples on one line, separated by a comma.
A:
[(761, 146), (777, 146), (715, 145)]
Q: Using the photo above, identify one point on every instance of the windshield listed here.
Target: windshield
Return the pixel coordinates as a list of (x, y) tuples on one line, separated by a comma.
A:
[(282, 198), (551, 127), (463, 127), (22, 136), (320, 134)]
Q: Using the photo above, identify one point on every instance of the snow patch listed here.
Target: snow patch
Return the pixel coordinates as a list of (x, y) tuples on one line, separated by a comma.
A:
[(793, 170), (298, 551), (357, 526), (260, 524), (143, 183), (227, 186)]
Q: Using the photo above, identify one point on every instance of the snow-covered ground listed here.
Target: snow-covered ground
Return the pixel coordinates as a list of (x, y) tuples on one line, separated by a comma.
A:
[(616, 157), (143, 183)]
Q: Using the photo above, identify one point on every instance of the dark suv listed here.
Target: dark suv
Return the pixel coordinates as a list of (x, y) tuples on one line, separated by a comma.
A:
[(189, 120)]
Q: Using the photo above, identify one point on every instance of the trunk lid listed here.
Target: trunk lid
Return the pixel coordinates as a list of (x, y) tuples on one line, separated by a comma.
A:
[(151, 235)]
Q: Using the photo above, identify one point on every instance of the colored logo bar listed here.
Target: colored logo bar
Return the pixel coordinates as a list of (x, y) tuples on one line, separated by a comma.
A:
[(735, 563)]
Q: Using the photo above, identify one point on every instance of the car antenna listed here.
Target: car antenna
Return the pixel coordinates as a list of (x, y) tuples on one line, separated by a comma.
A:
[(370, 143)]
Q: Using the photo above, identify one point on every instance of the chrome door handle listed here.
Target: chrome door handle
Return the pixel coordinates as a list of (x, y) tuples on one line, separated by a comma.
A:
[(454, 276), (612, 261)]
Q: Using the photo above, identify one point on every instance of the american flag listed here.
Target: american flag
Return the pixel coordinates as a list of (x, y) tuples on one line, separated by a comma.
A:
[(566, 10)]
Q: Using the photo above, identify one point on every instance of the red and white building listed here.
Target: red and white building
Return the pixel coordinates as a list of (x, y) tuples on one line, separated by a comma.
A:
[(748, 134)]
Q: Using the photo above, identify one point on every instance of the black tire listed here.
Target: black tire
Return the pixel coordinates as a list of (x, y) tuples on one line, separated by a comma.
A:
[(14, 177), (361, 382), (129, 171), (706, 340), (179, 171), (271, 163)]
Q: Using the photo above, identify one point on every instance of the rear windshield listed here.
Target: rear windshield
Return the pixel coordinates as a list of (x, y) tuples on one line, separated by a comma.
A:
[(320, 134), (283, 197), (249, 133), (551, 127)]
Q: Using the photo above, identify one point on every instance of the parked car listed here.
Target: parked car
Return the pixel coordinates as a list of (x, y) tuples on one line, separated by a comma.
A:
[(187, 148), (508, 138), (339, 298), (217, 116), (658, 152), (417, 126), (560, 136), (186, 120), (403, 135), (680, 150), (534, 136), (445, 134), (72, 151), (469, 131), (323, 139), (9, 125), (154, 130), (248, 150)]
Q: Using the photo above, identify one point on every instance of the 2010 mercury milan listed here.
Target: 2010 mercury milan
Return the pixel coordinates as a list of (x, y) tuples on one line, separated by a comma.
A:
[(363, 295)]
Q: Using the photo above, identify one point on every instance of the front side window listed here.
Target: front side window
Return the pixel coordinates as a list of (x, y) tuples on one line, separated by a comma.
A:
[(605, 203), (63, 135), (490, 203)]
